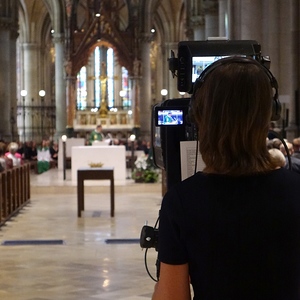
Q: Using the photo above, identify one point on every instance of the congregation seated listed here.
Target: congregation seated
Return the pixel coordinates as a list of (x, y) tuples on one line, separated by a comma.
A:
[(5, 162), (294, 161), (296, 147), (30, 151), (54, 154), (43, 157), (13, 154), (278, 157)]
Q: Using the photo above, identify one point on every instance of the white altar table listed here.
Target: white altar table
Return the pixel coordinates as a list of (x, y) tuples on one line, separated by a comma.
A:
[(110, 156)]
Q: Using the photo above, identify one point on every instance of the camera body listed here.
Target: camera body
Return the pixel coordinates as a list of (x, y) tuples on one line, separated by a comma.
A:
[(171, 123), (195, 56)]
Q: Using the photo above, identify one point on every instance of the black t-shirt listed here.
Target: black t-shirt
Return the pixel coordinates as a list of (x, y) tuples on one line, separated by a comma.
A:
[(239, 235)]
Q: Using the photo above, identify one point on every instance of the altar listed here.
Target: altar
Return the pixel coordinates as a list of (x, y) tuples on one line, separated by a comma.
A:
[(110, 156)]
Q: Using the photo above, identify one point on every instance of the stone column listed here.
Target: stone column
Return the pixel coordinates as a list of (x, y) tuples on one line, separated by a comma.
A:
[(197, 22), (145, 100), (251, 19), (60, 86), (172, 82), (223, 18), (292, 130), (13, 82), (135, 84), (90, 83), (71, 105), (30, 52), (31, 81), (8, 86), (159, 74), (211, 19), (5, 89), (117, 84)]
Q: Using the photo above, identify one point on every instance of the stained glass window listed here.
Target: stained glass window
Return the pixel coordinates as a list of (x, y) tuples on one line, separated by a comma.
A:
[(125, 88), (97, 77), (103, 63), (81, 89), (110, 77)]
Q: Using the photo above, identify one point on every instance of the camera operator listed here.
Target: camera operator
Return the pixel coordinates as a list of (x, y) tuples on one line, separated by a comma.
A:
[(233, 230)]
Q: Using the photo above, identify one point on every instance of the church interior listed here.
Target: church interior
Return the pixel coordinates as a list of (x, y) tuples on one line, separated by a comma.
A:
[(70, 65)]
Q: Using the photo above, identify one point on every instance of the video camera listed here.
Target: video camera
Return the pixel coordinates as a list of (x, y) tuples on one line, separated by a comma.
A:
[(171, 125)]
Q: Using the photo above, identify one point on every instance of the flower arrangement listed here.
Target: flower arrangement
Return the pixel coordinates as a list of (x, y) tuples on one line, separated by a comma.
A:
[(144, 170)]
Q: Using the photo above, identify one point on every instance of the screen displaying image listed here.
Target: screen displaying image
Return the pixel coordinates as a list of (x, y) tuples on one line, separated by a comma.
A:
[(169, 117), (202, 62)]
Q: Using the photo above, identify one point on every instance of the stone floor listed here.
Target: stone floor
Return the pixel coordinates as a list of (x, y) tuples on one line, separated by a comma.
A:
[(84, 266)]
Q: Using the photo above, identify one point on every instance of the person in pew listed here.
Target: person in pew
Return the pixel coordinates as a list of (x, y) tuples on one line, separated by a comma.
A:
[(43, 157), (5, 162), (54, 154), (13, 154), (21, 149), (33, 151)]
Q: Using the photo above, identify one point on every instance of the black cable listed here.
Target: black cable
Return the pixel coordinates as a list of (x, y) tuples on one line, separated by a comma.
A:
[(146, 266), (157, 261)]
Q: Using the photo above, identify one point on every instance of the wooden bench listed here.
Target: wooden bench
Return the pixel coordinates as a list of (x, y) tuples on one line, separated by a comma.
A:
[(94, 174), (14, 191)]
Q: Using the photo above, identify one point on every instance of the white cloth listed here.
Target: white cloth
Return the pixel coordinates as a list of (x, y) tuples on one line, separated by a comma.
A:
[(16, 160), (43, 154)]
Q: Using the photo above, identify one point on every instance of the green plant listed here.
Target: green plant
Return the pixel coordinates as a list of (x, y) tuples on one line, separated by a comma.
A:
[(144, 170)]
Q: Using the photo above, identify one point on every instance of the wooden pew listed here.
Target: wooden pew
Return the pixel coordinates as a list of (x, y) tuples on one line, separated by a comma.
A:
[(14, 191)]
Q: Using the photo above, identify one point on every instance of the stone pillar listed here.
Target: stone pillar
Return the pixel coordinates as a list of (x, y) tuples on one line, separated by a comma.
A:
[(251, 19), (234, 19), (30, 84), (211, 19), (71, 101), (145, 100), (8, 85), (30, 51), (197, 22), (223, 18), (172, 82), (117, 84), (293, 129), (60, 86), (135, 83), (159, 75), (5, 89), (90, 83)]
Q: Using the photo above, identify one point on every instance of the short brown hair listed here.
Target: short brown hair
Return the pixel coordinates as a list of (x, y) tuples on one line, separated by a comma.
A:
[(296, 142), (233, 109)]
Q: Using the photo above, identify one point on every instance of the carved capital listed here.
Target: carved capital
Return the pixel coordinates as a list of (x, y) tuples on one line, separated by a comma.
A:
[(58, 38), (197, 21), (189, 33), (5, 23), (68, 67), (137, 68), (146, 37), (11, 26), (211, 7)]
